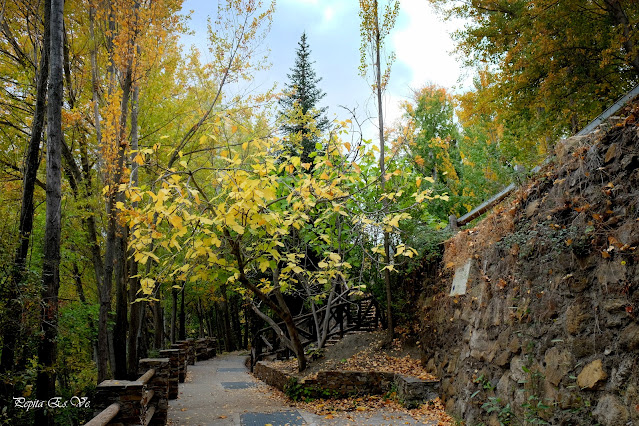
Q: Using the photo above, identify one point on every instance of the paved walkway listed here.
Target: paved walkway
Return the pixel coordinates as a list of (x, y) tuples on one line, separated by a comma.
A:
[(220, 391)]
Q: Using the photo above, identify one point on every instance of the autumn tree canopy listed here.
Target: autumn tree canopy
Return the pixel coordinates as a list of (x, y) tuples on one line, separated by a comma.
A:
[(555, 65)]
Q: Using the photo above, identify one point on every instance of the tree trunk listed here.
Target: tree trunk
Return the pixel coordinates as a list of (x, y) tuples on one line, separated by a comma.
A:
[(200, 318), (137, 308), (121, 302), (247, 327), (226, 323), (182, 313), (382, 180), (47, 349), (158, 320), (11, 328), (104, 289), (174, 294), (219, 323), (235, 322)]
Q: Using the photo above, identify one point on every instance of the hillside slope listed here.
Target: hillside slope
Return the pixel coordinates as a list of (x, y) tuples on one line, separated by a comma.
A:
[(548, 326)]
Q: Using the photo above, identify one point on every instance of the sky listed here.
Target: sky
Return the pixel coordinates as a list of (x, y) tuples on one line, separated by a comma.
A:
[(420, 40)]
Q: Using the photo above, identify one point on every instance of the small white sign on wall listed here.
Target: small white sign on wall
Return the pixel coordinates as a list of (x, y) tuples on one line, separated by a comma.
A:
[(461, 279)]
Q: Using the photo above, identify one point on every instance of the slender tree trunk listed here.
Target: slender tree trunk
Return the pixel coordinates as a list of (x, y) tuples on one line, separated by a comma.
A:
[(247, 326), (235, 322), (11, 328), (219, 322), (137, 308), (382, 180), (226, 323), (158, 319), (209, 322), (121, 303), (104, 289), (182, 313), (174, 294), (47, 350)]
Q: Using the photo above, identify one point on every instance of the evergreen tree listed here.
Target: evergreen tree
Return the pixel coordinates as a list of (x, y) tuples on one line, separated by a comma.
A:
[(302, 120)]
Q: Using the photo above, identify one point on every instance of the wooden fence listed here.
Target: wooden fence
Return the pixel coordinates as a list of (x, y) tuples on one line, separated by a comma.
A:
[(145, 401)]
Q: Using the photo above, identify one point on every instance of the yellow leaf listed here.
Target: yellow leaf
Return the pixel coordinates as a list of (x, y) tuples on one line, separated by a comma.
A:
[(139, 159), (176, 221), (183, 164), (202, 139), (347, 145), (237, 228), (334, 257), (147, 285)]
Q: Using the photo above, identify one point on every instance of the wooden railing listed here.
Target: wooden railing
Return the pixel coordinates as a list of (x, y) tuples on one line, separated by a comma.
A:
[(145, 401), (344, 317)]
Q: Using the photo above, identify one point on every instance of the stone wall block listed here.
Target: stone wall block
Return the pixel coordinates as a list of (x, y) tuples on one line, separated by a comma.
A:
[(558, 364), (174, 370), (182, 359), (413, 391), (592, 375), (610, 411)]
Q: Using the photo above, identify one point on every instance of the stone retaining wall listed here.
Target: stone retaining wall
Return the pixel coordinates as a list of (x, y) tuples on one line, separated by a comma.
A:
[(411, 390), (546, 326)]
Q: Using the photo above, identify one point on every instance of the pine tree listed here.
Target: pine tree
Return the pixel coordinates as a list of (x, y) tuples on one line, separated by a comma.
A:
[(302, 119)]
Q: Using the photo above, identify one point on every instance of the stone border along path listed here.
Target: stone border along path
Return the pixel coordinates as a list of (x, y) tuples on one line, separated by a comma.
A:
[(220, 391)]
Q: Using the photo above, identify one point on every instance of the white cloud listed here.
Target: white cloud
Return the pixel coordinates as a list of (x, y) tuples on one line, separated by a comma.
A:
[(423, 44), (329, 14)]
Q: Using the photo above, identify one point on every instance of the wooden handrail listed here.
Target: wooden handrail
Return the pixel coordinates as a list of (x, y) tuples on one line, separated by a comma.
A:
[(147, 376), (105, 415), (149, 414)]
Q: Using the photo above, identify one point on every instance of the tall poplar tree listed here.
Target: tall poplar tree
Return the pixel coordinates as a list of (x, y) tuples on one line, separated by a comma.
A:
[(299, 107), (47, 350), (375, 26)]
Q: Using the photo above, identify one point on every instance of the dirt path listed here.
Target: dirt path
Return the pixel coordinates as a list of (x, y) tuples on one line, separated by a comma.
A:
[(220, 391)]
